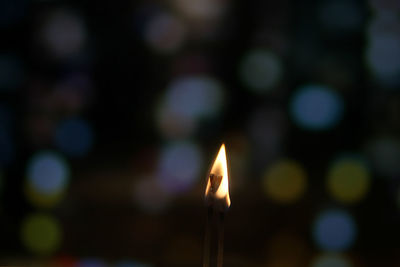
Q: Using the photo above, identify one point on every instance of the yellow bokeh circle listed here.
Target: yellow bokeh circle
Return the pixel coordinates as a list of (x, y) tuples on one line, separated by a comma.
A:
[(41, 234), (285, 181), (348, 180)]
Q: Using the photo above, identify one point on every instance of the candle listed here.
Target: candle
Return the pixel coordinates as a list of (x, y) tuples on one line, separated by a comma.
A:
[(217, 201)]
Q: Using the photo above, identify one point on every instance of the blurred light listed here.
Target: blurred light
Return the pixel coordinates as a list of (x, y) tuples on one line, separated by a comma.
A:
[(11, 11), (63, 33), (92, 262), (334, 230), (331, 260), (384, 153), (316, 107), (383, 57), (189, 99), (41, 234), (74, 137), (179, 166), (285, 181), (165, 33), (348, 180), (340, 16), (200, 9), (261, 70), (12, 72), (195, 96), (150, 196), (47, 178)]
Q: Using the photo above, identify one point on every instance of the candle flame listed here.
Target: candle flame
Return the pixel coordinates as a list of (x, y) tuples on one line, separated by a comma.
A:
[(218, 182)]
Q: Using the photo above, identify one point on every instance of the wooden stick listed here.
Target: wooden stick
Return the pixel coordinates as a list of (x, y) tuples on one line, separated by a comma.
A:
[(213, 253), (220, 255), (207, 238)]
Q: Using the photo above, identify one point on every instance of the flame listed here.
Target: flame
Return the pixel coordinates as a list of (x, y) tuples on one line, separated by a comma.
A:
[(219, 168)]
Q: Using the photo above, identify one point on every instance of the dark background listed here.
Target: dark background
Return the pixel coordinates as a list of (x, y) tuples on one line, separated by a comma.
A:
[(134, 98)]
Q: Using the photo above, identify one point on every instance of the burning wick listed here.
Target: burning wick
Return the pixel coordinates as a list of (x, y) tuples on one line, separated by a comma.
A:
[(218, 201)]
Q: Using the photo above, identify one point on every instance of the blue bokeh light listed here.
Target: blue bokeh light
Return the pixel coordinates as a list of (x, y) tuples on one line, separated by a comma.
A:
[(316, 107), (74, 137), (48, 173), (195, 96), (334, 230)]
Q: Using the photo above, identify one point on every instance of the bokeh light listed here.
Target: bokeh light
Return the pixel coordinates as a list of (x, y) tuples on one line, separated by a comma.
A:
[(47, 178), (261, 70), (41, 234), (165, 33), (179, 166), (110, 112), (334, 230), (74, 137), (63, 33), (316, 107), (195, 96), (331, 260), (383, 57), (188, 100), (285, 181), (384, 154), (12, 73), (348, 179)]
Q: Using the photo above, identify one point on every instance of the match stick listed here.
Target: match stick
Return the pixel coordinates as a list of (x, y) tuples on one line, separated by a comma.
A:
[(207, 238), (218, 201), (220, 250)]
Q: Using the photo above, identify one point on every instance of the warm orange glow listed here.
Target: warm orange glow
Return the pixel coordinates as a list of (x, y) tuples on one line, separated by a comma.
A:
[(219, 168)]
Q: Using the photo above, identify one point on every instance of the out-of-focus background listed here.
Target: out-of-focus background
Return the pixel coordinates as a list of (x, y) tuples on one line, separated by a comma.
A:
[(111, 113)]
